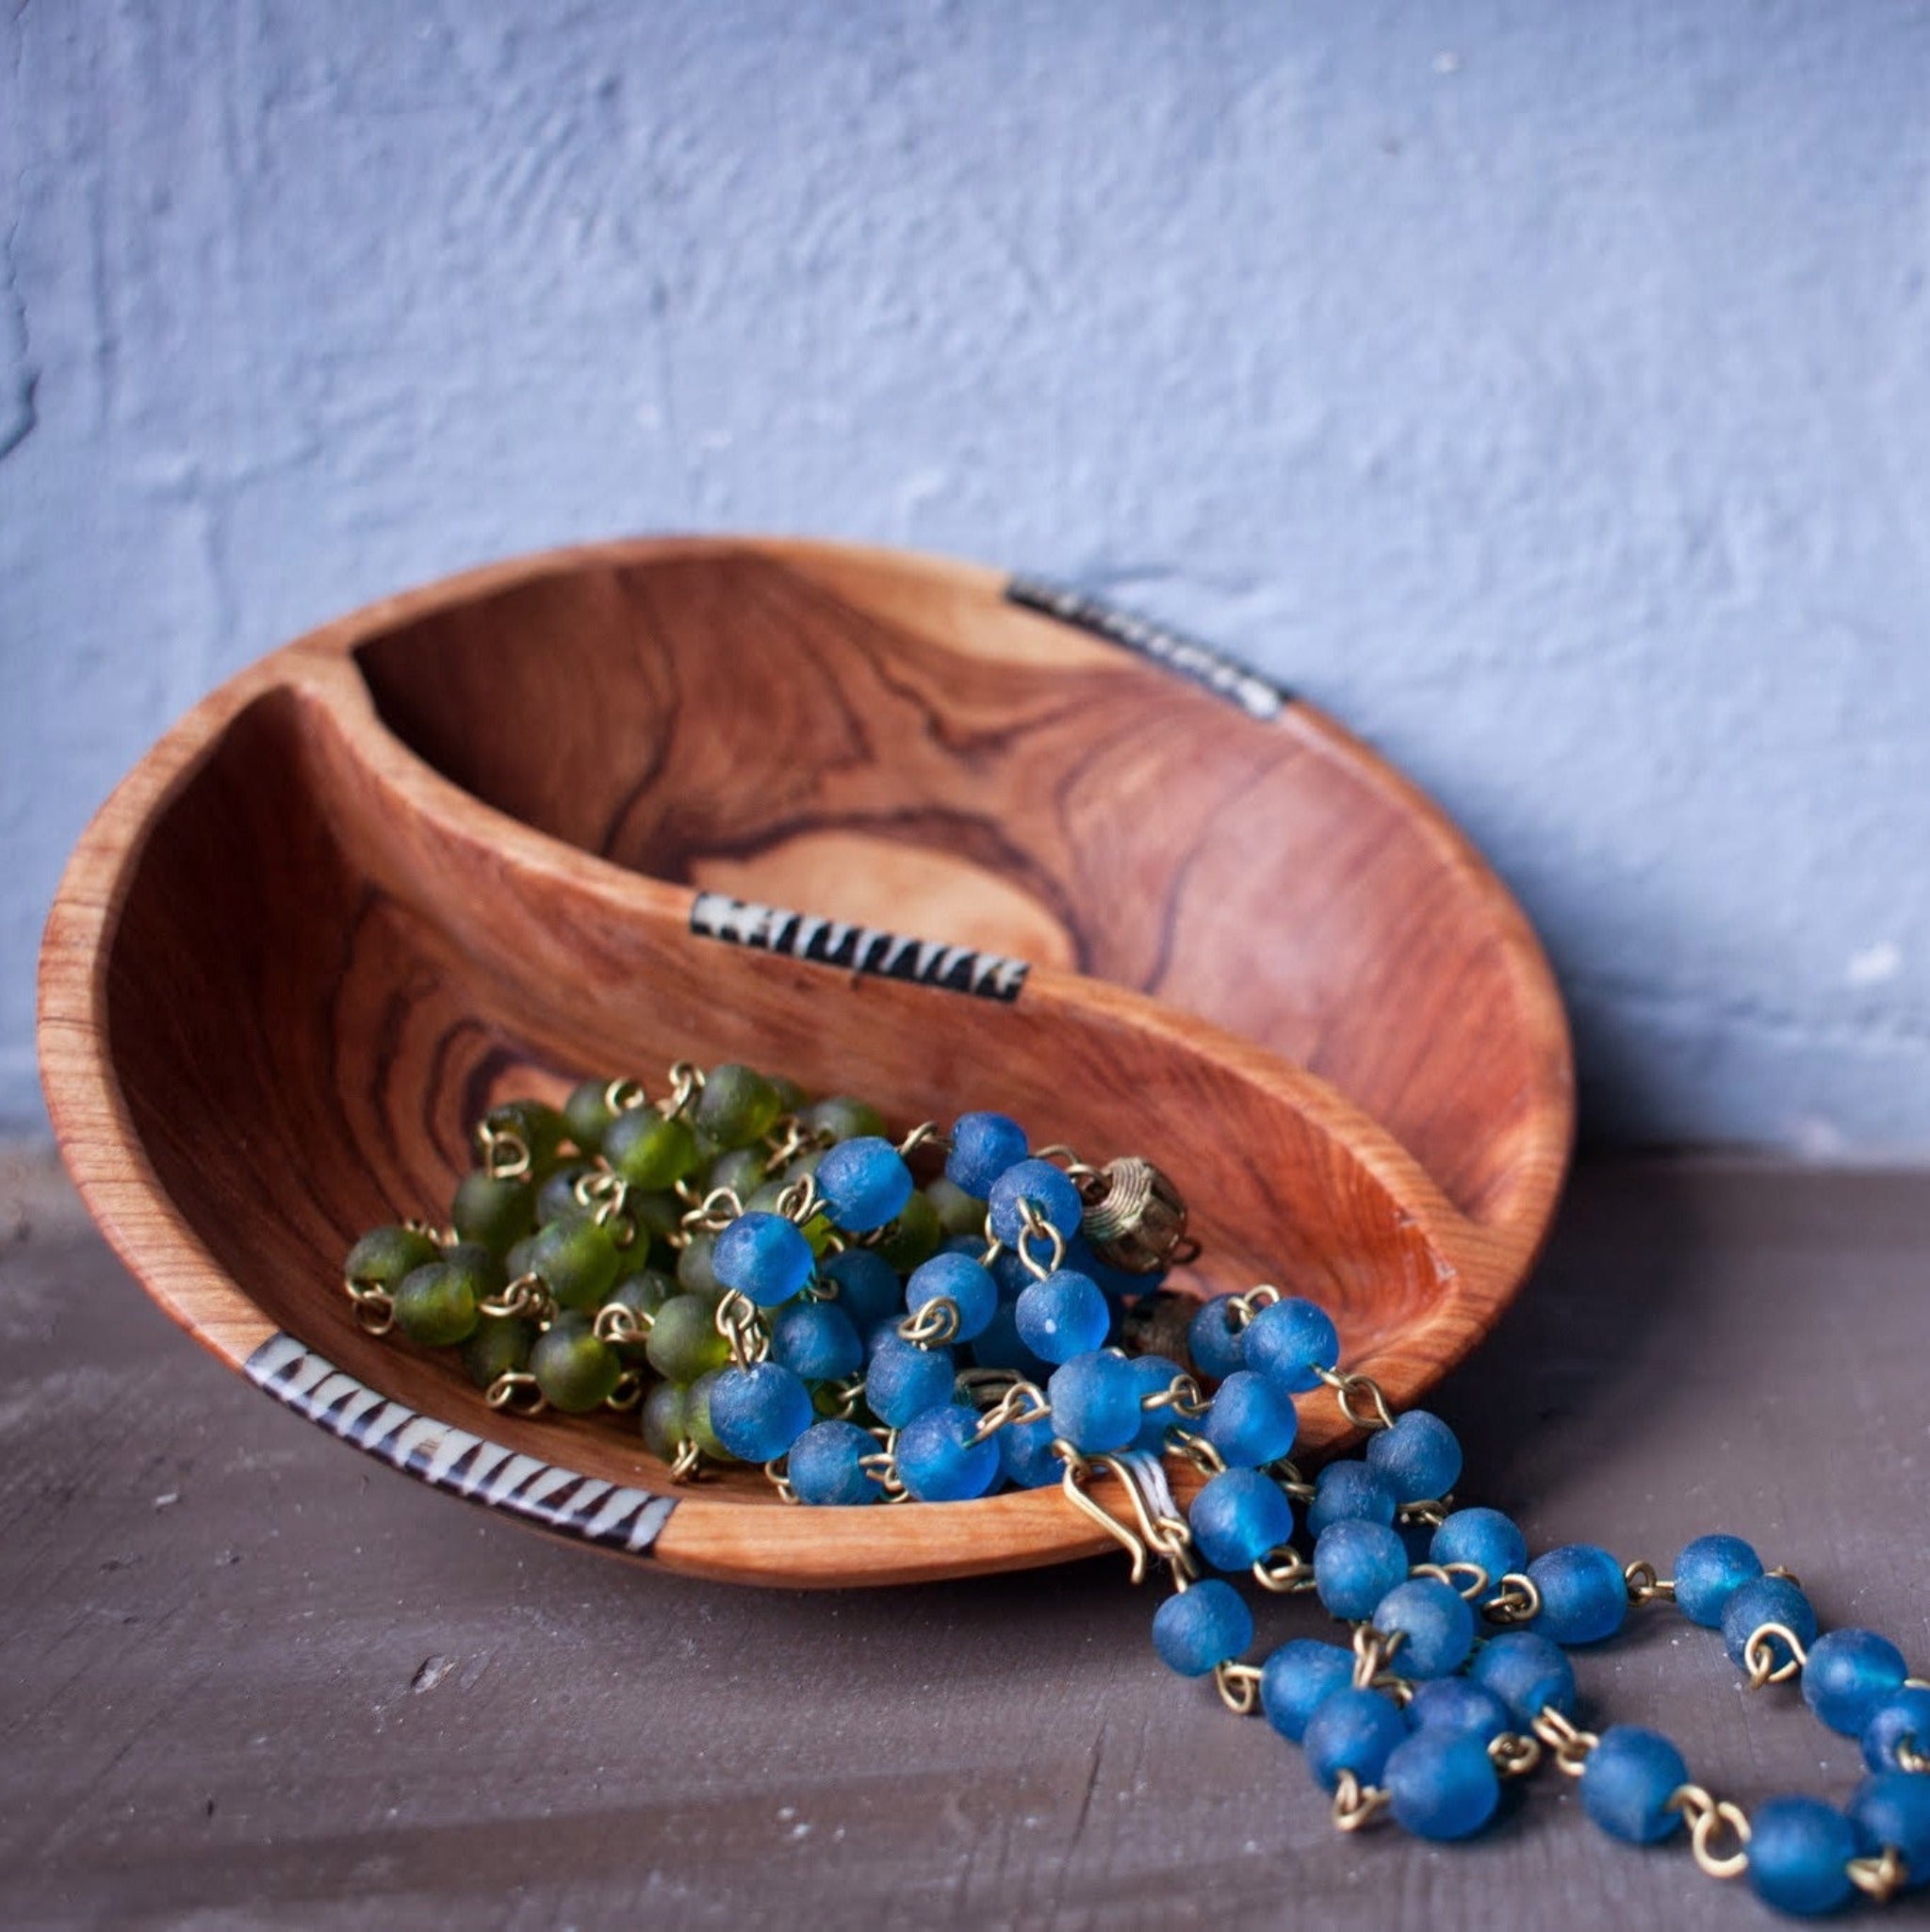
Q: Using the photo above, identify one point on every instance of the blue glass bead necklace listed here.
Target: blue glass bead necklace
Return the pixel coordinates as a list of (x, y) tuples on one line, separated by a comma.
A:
[(766, 1282)]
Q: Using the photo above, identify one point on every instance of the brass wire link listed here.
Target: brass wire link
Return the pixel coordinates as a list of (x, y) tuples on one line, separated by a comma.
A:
[(1347, 1386), (1238, 1685), (1879, 1876), (1518, 1601), (515, 1392), (1446, 1573), (1646, 1585), (1709, 1815), (1514, 1754), (1759, 1655), (1566, 1741), (1356, 1804)]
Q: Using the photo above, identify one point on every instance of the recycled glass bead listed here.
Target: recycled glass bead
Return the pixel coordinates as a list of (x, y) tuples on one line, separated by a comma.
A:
[(1026, 1454), (760, 1411), (577, 1260), (1902, 1721), (737, 1107), (1217, 1346), (741, 1170), (841, 1117), (1708, 1572), (865, 1183), (1441, 1786), (868, 1291), (903, 1380), (497, 1213), (824, 1466), (435, 1304), (938, 1459), (1238, 1516), (1154, 1375), (1048, 1190), (1202, 1627), (663, 1420), (914, 1238), (1893, 1809), (962, 1281), (587, 1114), (1459, 1705), (791, 1096), (1435, 1624), (1288, 1341), (983, 1147), (1849, 1675), (659, 1214), (762, 1256), (1767, 1600), (1115, 1283), (542, 1129), (1250, 1421), (958, 1212), (1355, 1564), (501, 1346), (1799, 1854), (1095, 1404), (383, 1255), (1299, 1677), (575, 1371), (1062, 1316), (1349, 1490), (999, 1346), (697, 1414), (648, 1150), (1481, 1536), (556, 1199), (696, 1271), (1584, 1594), (1628, 1780), (815, 1341), (683, 1342), (1420, 1456), (642, 1293), (1528, 1672), (1352, 1731)]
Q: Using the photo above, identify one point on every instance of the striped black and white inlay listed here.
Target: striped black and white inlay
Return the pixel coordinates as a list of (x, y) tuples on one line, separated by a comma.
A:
[(856, 948), (450, 1458), (1254, 694)]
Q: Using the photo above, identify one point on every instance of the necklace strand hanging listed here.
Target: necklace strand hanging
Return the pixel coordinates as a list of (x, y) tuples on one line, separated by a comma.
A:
[(764, 1280)]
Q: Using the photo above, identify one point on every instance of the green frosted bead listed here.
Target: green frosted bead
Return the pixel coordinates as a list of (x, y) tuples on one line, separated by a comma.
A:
[(577, 1260), (541, 1129), (697, 1417), (587, 1114), (791, 1096), (958, 1212), (684, 1341), (573, 1368), (741, 1170), (435, 1304), (556, 1199), (657, 1214), (487, 1274), (642, 1293), (383, 1255), (695, 1274), (494, 1212), (737, 1107), (664, 1429), (501, 1346), (841, 1117), (649, 1152), (914, 1238)]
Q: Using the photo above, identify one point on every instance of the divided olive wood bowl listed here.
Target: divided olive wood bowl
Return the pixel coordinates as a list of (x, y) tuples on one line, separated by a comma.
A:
[(493, 834)]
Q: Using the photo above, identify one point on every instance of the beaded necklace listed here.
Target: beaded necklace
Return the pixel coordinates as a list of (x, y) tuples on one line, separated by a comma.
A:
[(765, 1281)]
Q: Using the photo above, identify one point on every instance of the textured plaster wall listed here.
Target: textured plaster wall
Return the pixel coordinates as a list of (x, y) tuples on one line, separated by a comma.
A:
[(1544, 388)]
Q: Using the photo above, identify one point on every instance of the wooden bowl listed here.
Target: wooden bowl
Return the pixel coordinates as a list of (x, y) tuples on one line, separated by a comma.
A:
[(533, 822)]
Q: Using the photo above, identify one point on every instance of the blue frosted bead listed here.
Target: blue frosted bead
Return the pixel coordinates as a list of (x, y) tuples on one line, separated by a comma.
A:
[(1010, 1273), (1251, 1422), (1708, 1572), (1154, 1375), (764, 1256), (983, 1147), (1440, 1785), (1026, 1456), (903, 1380), (865, 1183), (938, 1460), (1349, 1490), (1355, 1564), (1529, 1674), (961, 1280), (1893, 1810), (1584, 1594), (815, 1341), (1628, 1780), (1767, 1600), (1290, 1339), (1298, 1679), (1202, 1627), (1799, 1854), (1849, 1677), (1459, 1705), (1216, 1347), (1901, 1721), (1483, 1537), (1436, 1625), (1048, 1190), (997, 1345), (1420, 1456), (1238, 1517), (822, 1465), (1063, 1316), (869, 1290), (1095, 1403), (1352, 1731), (758, 1413), (1115, 1283)]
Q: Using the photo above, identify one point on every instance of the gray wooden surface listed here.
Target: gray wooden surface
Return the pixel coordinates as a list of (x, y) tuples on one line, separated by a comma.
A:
[(253, 1680)]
